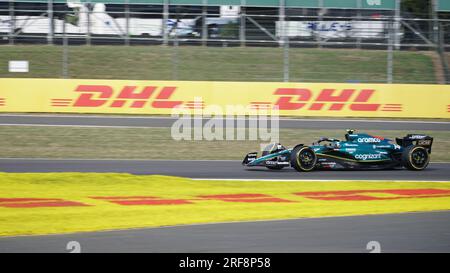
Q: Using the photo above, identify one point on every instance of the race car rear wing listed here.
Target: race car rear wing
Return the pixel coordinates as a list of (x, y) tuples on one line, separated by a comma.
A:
[(414, 139)]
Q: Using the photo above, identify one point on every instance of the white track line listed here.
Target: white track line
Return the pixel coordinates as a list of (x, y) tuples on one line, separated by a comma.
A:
[(319, 180), (140, 127), (114, 159), (79, 126), (283, 119)]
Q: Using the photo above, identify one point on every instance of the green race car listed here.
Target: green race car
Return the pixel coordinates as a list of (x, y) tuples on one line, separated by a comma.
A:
[(357, 151)]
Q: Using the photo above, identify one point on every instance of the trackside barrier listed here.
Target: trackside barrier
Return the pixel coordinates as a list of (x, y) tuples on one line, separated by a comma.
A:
[(159, 97)]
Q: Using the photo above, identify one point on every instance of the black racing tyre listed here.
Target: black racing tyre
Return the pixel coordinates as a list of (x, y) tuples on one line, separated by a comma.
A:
[(415, 158), (264, 153), (303, 159)]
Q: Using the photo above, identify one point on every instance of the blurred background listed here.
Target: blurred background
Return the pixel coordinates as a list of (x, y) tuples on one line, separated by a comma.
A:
[(367, 41)]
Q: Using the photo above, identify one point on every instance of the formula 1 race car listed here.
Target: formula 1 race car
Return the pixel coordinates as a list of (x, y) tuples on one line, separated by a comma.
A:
[(358, 151)]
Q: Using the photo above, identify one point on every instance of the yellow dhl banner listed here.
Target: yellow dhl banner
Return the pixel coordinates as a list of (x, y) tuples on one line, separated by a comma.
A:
[(160, 97)]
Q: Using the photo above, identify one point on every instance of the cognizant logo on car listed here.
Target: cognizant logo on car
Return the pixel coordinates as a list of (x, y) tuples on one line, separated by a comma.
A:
[(368, 156)]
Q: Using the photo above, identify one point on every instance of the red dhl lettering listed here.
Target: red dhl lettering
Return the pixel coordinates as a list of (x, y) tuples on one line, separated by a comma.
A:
[(103, 95), (38, 203), (298, 98), (367, 195), (288, 99), (340, 195), (142, 200)]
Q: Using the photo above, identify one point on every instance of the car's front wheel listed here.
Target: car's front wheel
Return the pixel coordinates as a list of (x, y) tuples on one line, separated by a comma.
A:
[(415, 158), (303, 159)]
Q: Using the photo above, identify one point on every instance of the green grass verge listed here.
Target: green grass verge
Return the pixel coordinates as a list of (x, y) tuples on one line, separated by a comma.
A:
[(219, 64), (157, 143)]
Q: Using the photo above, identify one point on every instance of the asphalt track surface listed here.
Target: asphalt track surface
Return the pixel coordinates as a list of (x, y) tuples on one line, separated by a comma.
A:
[(412, 232), (409, 232), (143, 122), (216, 170)]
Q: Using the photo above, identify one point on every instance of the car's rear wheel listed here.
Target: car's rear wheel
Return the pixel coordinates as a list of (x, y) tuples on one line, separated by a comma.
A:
[(303, 159), (415, 158)]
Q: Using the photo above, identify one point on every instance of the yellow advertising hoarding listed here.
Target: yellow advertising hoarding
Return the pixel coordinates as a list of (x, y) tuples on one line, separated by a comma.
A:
[(160, 97)]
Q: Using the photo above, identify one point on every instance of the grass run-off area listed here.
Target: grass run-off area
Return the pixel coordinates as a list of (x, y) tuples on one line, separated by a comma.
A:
[(157, 143), (218, 63)]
